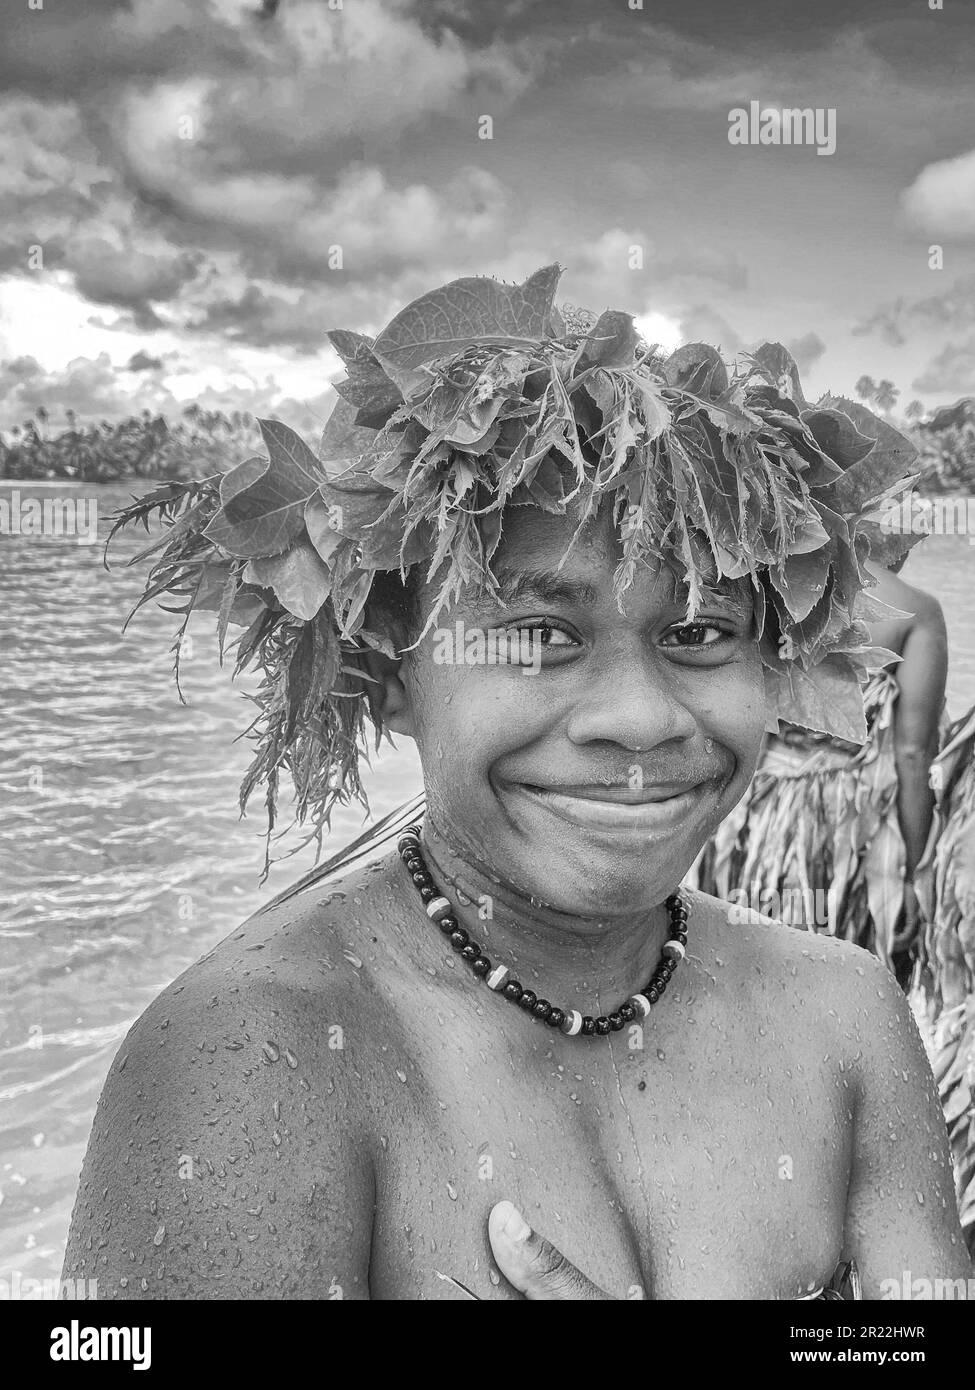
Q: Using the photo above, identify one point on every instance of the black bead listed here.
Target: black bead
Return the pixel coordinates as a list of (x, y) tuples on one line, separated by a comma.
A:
[(602, 1026), (541, 1008), (528, 999), (616, 1022), (422, 879), (481, 965), (448, 924), (512, 990), (627, 1012), (588, 1026), (653, 995), (459, 939), (426, 894), (556, 1018), (681, 937), (470, 952), (406, 842)]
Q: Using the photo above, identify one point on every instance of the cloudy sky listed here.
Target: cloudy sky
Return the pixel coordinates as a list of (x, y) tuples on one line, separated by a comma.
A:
[(188, 167)]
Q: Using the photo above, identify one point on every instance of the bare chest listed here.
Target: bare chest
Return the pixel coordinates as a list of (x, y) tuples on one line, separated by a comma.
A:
[(676, 1163)]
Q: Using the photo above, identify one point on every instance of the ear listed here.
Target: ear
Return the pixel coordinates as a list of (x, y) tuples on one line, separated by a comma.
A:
[(388, 693)]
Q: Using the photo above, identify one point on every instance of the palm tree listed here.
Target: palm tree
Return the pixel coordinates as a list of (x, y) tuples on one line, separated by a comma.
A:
[(866, 388), (915, 410), (886, 395)]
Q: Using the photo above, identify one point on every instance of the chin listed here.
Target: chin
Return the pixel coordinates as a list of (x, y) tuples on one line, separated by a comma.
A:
[(595, 884)]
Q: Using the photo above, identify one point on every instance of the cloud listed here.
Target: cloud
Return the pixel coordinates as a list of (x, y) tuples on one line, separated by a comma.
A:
[(950, 311), (952, 370), (95, 389), (702, 325), (129, 279), (941, 200), (806, 350), (263, 318), (142, 362)]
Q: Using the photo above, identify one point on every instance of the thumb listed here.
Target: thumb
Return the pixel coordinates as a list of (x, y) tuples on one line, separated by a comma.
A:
[(531, 1263)]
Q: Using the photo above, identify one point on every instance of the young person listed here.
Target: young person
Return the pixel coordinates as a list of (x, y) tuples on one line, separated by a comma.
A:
[(511, 1057)]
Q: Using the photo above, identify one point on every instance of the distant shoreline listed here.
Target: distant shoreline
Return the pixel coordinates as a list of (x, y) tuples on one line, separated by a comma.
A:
[(47, 482)]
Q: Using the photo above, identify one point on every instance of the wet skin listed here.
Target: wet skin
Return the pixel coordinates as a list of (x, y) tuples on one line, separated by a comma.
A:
[(331, 1102)]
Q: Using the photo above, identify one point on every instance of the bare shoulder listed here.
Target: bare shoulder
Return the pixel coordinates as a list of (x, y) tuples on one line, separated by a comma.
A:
[(894, 589), (818, 990), (231, 1152), (818, 979)]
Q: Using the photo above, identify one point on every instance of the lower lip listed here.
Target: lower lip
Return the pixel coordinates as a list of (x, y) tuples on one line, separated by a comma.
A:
[(612, 816)]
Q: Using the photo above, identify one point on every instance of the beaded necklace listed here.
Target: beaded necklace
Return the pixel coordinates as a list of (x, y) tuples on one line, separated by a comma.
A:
[(498, 977)]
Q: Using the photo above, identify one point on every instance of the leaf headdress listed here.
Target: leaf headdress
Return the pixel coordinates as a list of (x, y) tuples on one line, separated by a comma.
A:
[(481, 396)]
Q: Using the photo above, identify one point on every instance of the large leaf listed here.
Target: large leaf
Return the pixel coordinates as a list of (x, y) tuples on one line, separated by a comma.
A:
[(826, 698), (320, 523), (351, 347), (342, 439), (299, 578), (372, 393), (612, 342), (697, 367), (838, 436), (443, 322), (778, 367), (358, 501), (235, 480), (267, 515), (890, 458)]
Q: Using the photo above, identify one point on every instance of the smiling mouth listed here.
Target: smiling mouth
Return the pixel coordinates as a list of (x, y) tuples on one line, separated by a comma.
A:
[(617, 808)]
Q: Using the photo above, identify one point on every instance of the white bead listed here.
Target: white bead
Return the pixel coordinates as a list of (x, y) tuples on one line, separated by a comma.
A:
[(675, 949), (438, 907), (641, 1003), (572, 1023), (497, 977)]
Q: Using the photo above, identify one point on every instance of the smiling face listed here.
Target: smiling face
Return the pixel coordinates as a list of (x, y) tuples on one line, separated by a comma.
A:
[(582, 777)]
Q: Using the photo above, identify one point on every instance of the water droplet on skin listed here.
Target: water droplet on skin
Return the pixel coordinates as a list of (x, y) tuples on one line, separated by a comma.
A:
[(160, 1236), (452, 1192), (920, 1198), (290, 1058), (402, 1076), (494, 1276), (353, 959), (661, 1056), (270, 1051)]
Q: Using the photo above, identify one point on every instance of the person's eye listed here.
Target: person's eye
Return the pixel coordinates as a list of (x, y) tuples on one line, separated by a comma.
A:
[(697, 636), (543, 631)]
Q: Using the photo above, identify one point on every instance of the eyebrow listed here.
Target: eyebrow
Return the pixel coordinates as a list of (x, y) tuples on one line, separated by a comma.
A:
[(548, 585), (552, 587)]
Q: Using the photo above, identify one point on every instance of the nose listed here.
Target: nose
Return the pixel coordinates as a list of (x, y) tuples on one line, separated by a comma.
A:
[(633, 700)]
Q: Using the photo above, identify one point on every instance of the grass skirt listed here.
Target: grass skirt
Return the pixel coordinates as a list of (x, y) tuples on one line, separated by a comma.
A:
[(944, 986), (815, 842)]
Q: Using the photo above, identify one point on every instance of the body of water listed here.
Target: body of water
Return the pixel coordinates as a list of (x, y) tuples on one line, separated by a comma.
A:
[(122, 858)]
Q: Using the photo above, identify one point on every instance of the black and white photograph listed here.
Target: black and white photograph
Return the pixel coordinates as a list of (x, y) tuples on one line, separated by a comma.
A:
[(487, 615)]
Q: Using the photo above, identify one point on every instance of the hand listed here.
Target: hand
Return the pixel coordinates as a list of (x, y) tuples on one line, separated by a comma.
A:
[(532, 1264)]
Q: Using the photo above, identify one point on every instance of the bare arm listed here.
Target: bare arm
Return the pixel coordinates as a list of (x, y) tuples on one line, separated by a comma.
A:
[(219, 1166), (921, 678), (922, 642), (901, 1221)]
